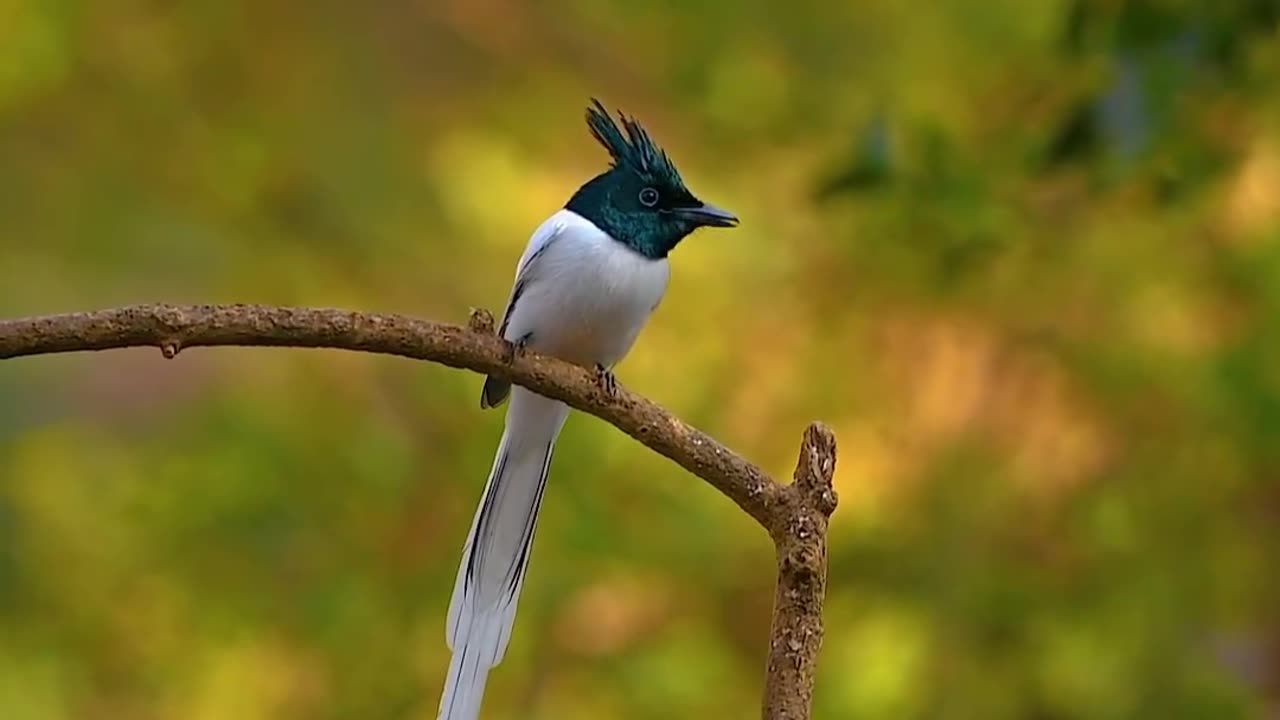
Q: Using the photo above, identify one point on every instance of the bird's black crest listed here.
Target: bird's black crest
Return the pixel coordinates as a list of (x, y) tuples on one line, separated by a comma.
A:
[(635, 150)]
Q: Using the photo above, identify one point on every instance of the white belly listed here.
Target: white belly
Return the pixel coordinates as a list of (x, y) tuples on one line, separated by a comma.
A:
[(590, 296)]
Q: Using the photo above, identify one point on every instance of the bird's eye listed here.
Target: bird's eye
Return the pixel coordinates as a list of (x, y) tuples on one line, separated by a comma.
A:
[(648, 197)]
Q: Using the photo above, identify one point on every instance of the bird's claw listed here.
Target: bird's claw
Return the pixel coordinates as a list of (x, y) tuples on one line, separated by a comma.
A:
[(516, 348), (608, 383)]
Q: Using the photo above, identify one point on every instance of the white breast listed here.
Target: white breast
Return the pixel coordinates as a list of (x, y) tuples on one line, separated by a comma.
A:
[(588, 295)]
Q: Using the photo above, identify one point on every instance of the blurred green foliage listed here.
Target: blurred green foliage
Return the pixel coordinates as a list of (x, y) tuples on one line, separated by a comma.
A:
[(1024, 257)]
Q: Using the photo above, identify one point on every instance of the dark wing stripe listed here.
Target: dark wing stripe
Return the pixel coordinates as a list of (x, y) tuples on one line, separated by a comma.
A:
[(521, 283), (495, 389)]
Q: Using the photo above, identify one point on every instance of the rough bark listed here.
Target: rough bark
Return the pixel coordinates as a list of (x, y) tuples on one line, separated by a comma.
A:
[(795, 515)]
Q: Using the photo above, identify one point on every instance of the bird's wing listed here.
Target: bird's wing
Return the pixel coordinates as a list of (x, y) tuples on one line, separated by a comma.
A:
[(527, 268), (496, 389)]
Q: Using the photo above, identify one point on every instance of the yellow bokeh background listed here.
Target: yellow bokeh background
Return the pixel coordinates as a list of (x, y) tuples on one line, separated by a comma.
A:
[(1022, 257)]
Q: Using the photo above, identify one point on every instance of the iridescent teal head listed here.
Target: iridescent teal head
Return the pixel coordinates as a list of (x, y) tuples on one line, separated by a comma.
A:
[(641, 200)]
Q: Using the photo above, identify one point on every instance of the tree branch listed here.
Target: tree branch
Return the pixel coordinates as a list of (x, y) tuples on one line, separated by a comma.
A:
[(801, 544), (794, 515)]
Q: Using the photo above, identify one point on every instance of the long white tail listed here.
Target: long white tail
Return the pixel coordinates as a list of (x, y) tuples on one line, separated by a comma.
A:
[(496, 554)]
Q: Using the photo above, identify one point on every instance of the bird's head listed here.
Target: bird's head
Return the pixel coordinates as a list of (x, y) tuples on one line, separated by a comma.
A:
[(641, 201)]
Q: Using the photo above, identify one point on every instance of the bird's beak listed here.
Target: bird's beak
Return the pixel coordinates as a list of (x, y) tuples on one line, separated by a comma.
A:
[(710, 216)]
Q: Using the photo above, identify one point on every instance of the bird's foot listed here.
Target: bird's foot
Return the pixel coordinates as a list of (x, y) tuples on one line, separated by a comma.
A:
[(608, 383), (516, 348)]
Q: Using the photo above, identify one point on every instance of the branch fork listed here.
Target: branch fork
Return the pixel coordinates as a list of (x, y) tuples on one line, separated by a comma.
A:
[(794, 515)]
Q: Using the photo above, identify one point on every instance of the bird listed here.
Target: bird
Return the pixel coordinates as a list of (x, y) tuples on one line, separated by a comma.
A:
[(588, 280)]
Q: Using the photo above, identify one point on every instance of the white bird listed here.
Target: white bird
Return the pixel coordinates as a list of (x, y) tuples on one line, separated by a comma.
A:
[(588, 281)]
